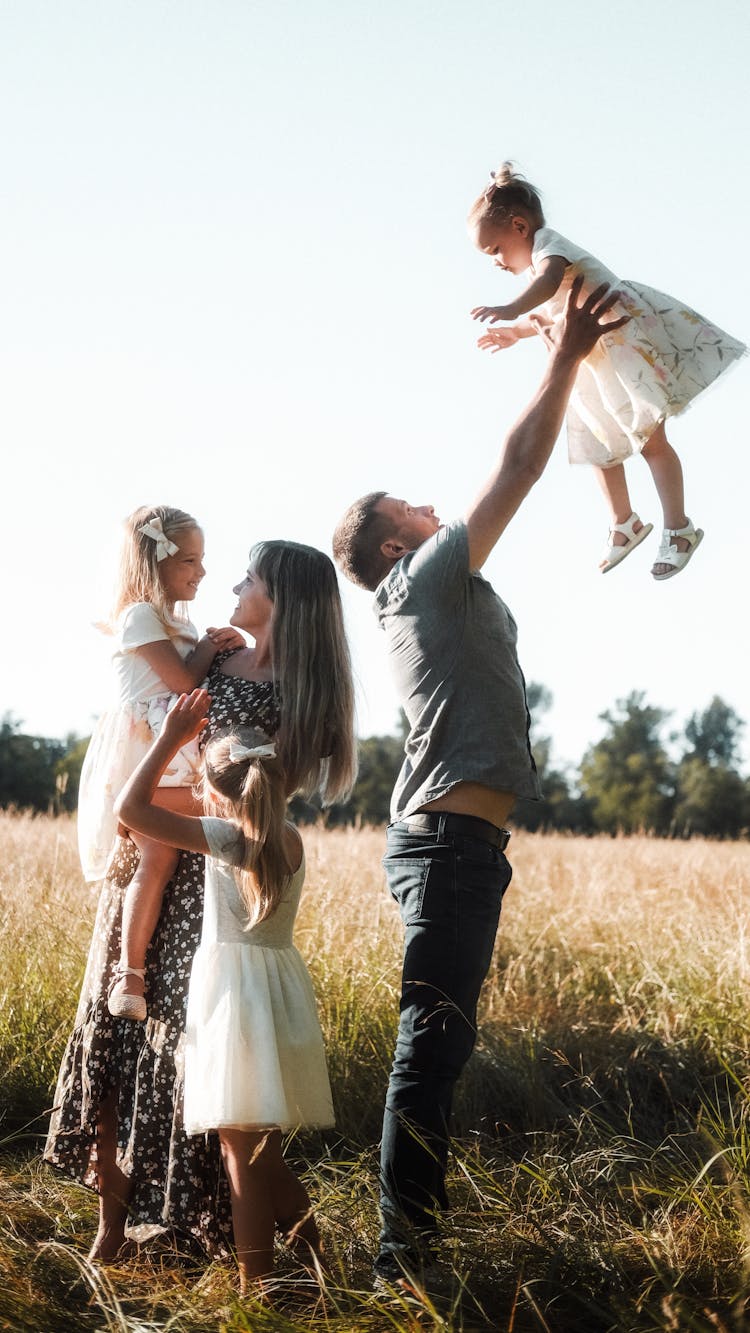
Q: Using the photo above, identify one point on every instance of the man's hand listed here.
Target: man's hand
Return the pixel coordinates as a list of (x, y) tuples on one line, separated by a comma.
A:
[(581, 326), (529, 443)]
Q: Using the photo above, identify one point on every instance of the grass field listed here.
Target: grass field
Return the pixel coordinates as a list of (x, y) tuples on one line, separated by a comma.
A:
[(601, 1178)]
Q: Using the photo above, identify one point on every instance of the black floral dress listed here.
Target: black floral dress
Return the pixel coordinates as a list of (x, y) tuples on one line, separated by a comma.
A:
[(177, 1180)]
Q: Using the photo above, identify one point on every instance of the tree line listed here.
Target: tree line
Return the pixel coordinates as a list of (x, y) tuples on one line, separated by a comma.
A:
[(636, 778)]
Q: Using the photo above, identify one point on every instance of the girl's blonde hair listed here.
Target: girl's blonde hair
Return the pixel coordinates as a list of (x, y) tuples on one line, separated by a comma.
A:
[(508, 193), (251, 792), (138, 579), (312, 668)]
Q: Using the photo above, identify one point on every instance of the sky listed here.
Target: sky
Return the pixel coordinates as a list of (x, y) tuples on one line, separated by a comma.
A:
[(237, 280)]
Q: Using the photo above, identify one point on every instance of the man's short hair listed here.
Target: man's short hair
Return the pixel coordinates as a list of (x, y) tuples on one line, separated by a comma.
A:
[(357, 541)]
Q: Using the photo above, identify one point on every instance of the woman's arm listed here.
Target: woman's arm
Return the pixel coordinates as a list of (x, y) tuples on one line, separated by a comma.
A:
[(551, 273), (134, 807)]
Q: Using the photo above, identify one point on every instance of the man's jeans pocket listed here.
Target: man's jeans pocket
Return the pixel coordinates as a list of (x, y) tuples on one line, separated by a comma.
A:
[(407, 880)]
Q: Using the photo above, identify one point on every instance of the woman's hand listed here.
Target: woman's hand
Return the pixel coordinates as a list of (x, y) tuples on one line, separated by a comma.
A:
[(495, 340), (226, 638), (493, 313), (186, 718)]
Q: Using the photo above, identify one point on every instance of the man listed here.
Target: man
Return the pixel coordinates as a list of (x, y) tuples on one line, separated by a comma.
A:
[(451, 643)]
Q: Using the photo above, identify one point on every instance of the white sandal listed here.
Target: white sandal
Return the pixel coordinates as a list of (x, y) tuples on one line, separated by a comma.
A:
[(127, 1006), (614, 554), (670, 554)]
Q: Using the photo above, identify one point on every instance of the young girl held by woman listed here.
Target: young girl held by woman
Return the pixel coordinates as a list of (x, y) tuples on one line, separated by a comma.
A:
[(157, 654), (254, 1058), (634, 379)]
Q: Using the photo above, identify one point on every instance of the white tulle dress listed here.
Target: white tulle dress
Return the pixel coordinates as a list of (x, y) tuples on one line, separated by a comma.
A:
[(643, 373), (254, 1054), (125, 731)]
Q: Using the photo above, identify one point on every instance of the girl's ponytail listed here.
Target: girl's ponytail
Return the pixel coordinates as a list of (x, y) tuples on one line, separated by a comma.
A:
[(242, 770)]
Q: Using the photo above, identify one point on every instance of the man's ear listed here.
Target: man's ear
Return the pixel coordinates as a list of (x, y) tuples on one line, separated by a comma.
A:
[(392, 549)]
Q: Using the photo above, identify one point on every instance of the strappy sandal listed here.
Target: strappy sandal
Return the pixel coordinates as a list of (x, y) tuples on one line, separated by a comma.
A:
[(670, 554), (613, 554), (127, 1006)]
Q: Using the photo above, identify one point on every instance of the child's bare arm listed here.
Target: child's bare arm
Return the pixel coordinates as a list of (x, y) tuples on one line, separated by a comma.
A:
[(180, 674), (551, 272), (134, 806), (495, 340)]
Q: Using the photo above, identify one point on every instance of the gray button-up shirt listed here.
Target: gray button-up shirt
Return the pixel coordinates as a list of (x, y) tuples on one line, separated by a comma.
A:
[(452, 650)]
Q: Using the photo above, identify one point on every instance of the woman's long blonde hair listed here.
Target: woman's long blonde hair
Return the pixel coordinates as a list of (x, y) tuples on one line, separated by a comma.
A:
[(251, 792), (312, 668), (138, 578)]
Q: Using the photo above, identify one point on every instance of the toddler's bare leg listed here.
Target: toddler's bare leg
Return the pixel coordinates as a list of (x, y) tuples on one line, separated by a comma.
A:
[(614, 487), (666, 470), (145, 893), (141, 908)]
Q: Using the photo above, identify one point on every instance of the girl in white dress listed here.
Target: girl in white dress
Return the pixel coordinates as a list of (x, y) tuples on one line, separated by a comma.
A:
[(254, 1057), (634, 379), (157, 653)]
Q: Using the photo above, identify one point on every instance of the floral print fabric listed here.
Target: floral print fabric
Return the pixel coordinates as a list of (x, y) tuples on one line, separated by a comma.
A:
[(643, 373)]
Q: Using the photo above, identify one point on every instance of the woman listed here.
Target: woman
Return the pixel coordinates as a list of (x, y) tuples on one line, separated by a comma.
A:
[(117, 1118)]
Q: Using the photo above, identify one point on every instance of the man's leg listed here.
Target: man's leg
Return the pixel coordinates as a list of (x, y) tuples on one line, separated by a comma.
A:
[(449, 891)]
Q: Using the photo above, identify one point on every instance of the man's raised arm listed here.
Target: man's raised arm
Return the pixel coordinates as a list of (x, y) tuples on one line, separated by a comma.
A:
[(530, 442)]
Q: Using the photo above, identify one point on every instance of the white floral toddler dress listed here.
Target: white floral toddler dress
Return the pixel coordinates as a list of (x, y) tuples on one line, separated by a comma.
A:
[(650, 369)]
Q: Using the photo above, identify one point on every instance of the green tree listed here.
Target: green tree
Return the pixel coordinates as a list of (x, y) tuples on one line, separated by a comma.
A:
[(68, 771), (560, 807), (714, 735), (711, 800), (627, 776), (711, 797), (380, 758), (27, 767)]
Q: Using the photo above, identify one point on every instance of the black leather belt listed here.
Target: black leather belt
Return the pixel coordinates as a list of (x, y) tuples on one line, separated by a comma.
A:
[(469, 826)]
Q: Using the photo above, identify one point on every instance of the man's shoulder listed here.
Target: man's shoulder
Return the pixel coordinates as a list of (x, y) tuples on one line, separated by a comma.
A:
[(442, 558)]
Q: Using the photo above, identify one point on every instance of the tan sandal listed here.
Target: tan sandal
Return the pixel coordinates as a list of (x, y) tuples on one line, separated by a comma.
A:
[(613, 553), (127, 1006)]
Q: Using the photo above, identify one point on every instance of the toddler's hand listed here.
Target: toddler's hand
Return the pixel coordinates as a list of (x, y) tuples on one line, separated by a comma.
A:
[(491, 312), (187, 717), (225, 638), (496, 339)]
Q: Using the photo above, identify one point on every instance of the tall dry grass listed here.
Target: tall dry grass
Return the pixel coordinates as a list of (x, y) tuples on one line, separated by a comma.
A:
[(602, 1154)]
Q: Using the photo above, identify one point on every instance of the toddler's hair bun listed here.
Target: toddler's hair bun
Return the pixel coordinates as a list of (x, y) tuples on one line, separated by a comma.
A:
[(508, 191), (504, 175)]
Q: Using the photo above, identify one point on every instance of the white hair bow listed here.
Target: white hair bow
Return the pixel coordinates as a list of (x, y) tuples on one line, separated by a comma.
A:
[(238, 751), (155, 531)]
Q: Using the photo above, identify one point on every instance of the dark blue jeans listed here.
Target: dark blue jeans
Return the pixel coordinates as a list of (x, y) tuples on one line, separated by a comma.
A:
[(449, 889)]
